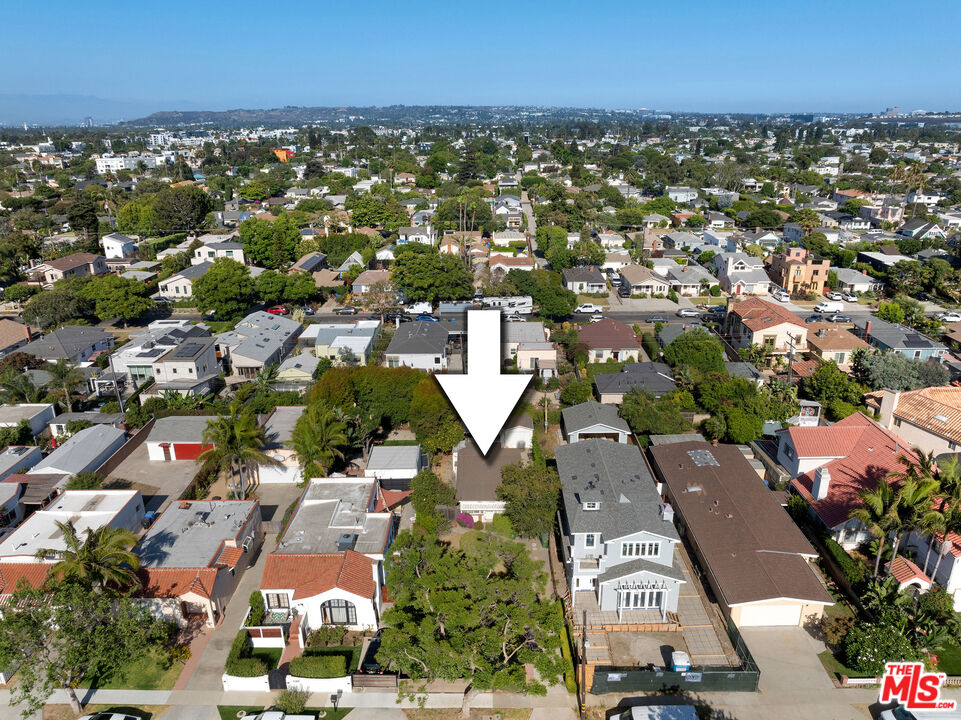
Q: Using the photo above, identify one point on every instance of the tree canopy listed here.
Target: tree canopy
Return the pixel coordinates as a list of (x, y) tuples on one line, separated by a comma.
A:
[(226, 288), (530, 493), (698, 349), (432, 277)]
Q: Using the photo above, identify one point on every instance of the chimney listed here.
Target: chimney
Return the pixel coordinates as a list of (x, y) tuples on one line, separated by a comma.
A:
[(822, 483), (667, 512), (889, 404), (867, 331)]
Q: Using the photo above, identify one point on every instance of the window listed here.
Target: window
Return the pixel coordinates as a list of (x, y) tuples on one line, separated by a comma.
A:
[(952, 445), (630, 549), (650, 549), (437, 361), (338, 612), (641, 599), (839, 358), (897, 422), (277, 600), (590, 540), (591, 505)]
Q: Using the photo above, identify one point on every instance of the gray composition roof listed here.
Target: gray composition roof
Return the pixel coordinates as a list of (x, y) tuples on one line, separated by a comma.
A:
[(592, 413), (653, 376), (66, 342), (13, 414), (641, 565), (895, 336), (518, 332), (95, 418), (616, 476), (676, 438), (393, 457), (191, 537), (418, 338), (194, 271), (80, 450), (180, 429), (742, 369), (307, 363)]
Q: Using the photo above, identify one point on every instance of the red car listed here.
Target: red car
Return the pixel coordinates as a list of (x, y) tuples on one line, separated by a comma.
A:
[(278, 310)]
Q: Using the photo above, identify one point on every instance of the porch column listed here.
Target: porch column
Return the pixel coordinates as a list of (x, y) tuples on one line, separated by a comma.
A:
[(211, 614)]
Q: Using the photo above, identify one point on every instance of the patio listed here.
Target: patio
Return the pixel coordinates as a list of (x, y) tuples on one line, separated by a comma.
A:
[(587, 613)]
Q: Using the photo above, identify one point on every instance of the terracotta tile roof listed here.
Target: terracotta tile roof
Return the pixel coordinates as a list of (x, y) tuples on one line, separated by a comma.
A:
[(314, 573), (936, 409), (176, 582), (757, 314), (230, 556), (388, 499), (904, 570), (34, 574), (606, 333), (866, 455)]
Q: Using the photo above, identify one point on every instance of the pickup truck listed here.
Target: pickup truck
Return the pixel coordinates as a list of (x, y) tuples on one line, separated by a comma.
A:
[(588, 308)]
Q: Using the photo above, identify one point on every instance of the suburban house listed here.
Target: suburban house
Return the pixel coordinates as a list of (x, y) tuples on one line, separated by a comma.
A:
[(37, 415), (85, 451), (641, 280), (422, 235), (759, 322), (309, 263), (854, 281), (296, 372), (798, 271), (58, 425), (506, 263), (135, 360), (116, 245), (654, 377), (616, 261), (680, 194), (216, 250), (327, 565), (193, 556), (339, 342), (14, 459), (477, 477), (690, 279), (191, 368), (832, 465), (367, 279), (180, 285), (834, 344), (76, 265), (608, 338), (86, 509), (928, 419), (584, 280), (419, 344), (610, 240), (395, 466), (592, 419), (258, 341), (617, 538), (13, 336), (891, 337), (178, 438), (921, 230), (73, 343), (753, 556)]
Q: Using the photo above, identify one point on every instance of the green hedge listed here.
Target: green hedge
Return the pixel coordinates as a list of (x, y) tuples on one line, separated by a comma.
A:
[(239, 662), (856, 573), (570, 678), (319, 666)]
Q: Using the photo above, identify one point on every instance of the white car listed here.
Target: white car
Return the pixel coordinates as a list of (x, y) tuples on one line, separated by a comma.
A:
[(850, 297), (687, 312), (108, 716), (588, 308), (596, 317), (950, 317), (834, 296), (782, 297)]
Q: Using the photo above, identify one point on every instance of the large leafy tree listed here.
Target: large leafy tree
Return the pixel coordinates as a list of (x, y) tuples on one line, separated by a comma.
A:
[(545, 288), (530, 493), (226, 288), (427, 492), (432, 418), (271, 244), (650, 415), (893, 370), (82, 215), (63, 634), (270, 286), (55, 307), (117, 298), (234, 441), (103, 557), (697, 348), (65, 378), (432, 277), (473, 615), (181, 209), (319, 439)]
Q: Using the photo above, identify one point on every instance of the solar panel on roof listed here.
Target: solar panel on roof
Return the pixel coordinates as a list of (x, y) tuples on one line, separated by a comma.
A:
[(153, 352), (915, 340), (188, 349)]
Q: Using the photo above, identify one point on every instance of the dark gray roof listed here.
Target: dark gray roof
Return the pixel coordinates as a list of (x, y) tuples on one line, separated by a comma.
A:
[(180, 429), (616, 476), (742, 369), (583, 274), (418, 338), (591, 413), (195, 271), (641, 565), (653, 376), (892, 335), (65, 342)]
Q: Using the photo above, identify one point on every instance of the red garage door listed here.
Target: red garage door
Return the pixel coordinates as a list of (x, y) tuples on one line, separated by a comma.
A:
[(188, 451)]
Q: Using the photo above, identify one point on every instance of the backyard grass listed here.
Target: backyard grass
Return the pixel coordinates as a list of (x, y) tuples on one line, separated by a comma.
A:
[(145, 673), (63, 712), (229, 712), (949, 660), (835, 667), (270, 656), (604, 368)]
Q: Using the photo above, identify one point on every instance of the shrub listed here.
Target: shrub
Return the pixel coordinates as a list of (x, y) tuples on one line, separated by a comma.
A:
[(291, 702), (246, 667), (84, 480), (501, 524), (856, 572), (868, 647), (835, 629), (257, 609), (319, 666), (570, 679)]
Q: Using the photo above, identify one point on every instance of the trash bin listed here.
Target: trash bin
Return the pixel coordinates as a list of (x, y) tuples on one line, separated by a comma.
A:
[(680, 661)]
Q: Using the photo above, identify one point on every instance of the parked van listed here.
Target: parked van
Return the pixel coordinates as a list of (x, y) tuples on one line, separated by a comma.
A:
[(829, 306)]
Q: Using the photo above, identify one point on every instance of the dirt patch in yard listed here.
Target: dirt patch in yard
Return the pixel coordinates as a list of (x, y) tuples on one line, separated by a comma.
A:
[(640, 649)]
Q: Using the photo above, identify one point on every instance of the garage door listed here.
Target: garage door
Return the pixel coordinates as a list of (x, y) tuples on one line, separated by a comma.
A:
[(770, 615), (188, 451)]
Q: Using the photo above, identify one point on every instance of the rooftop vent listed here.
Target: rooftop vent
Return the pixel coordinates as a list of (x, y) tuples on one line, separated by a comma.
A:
[(346, 541)]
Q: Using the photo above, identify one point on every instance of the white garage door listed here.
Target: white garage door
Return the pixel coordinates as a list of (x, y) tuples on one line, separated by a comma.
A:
[(770, 615)]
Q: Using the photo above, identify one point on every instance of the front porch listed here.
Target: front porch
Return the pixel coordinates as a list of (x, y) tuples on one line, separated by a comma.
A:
[(587, 614)]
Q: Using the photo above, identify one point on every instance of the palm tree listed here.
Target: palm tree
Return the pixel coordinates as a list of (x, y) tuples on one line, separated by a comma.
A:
[(949, 481), (952, 524), (913, 508), (18, 387), (64, 377), (235, 440), (884, 593), (931, 524), (319, 438), (265, 378), (878, 515), (104, 557)]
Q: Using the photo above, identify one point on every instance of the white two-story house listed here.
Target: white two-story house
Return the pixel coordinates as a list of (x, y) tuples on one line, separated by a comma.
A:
[(618, 538)]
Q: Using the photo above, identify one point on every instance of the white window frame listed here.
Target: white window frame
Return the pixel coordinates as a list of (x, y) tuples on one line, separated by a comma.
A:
[(592, 506), (590, 540)]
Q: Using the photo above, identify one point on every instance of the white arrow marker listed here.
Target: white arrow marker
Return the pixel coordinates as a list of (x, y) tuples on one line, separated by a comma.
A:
[(483, 397)]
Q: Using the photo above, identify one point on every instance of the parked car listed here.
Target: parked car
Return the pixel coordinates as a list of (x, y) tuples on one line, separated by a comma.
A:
[(834, 296), (597, 317), (161, 300), (426, 318), (347, 310), (369, 665), (307, 310), (899, 712), (513, 318), (657, 319), (838, 318), (278, 310), (687, 312), (108, 716), (588, 308), (395, 316), (782, 297), (950, 317), (850, 297), (623, 291)]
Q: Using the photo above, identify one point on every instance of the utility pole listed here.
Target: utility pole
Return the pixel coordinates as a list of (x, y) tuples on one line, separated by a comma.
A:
[(791, 343)]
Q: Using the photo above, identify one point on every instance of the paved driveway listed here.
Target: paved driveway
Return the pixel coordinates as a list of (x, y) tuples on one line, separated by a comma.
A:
[(157, 481), (788, 659)]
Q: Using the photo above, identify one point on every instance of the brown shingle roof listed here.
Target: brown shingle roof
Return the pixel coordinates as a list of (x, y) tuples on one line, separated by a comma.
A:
[(606, 333), (69, 262), (834, 338), (12, 332)]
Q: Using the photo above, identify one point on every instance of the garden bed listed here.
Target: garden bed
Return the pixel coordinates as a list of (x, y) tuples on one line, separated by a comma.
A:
[(835, 667)]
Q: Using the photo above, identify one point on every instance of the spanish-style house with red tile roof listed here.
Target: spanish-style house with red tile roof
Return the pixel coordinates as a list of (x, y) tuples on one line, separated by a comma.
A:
[(929, 418), (758, 322)]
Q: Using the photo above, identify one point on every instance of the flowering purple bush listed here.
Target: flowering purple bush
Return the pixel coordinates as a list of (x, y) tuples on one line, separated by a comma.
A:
[(465, 520)]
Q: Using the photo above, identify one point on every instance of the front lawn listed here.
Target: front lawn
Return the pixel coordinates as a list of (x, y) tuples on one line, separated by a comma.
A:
[(835, 667), (147, 672), (949, 660), (270, 656)]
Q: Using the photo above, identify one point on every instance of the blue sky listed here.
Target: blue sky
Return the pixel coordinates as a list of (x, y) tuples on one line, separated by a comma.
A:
[(759, 55)]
